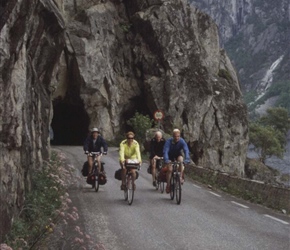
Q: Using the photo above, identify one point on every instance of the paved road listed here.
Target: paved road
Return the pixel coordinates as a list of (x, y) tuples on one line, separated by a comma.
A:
[(205, 219)]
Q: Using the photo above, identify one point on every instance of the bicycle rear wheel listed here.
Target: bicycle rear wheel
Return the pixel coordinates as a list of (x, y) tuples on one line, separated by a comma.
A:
[(172, 187), (178, 189), (130, 189)]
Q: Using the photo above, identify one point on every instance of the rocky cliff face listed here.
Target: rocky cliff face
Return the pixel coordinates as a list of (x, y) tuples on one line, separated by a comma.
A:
[(31, 41), (256, 36), (99, 62)]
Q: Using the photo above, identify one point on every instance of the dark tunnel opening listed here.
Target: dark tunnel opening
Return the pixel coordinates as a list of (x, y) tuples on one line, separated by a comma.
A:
[(138, 105), (70, 123)]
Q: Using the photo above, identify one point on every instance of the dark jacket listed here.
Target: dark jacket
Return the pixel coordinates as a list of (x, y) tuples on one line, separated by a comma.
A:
[(156, 148), (90, 146)]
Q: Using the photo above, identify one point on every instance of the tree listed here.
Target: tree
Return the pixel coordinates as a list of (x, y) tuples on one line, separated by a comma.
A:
[(266, 142), (278, 119), (140, 123)]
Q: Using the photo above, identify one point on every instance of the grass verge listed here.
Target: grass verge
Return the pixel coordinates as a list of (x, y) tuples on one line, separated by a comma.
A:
[(48, 219)]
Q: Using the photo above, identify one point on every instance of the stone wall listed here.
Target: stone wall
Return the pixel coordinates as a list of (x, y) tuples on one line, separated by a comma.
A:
[(275, 197)]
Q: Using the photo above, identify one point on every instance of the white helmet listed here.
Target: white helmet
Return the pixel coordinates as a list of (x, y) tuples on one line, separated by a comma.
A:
[(94, 130)]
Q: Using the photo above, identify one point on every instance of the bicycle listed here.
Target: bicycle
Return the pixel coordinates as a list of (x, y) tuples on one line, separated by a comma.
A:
[(159, 183), (130, 180), (96, 175), (175, 183)]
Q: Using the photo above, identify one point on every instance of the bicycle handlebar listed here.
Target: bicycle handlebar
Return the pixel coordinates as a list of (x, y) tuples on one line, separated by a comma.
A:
[(94, 153)]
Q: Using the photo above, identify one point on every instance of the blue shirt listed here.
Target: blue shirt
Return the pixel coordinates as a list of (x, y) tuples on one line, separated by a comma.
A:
[(173, 149)]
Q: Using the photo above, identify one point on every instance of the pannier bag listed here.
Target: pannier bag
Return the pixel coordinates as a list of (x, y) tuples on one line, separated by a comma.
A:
[(162, 175), (85, 169), (118, 175), (102, 179), (91, 179)]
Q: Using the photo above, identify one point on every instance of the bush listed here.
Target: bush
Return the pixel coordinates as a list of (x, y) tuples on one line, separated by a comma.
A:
[(36, 217), (140, 124)]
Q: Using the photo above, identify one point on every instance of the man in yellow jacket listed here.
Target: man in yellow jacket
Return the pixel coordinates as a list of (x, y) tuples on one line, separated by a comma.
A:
[(129, 149)]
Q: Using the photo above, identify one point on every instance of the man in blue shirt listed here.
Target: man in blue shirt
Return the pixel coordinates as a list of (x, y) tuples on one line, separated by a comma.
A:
[(172, 151)]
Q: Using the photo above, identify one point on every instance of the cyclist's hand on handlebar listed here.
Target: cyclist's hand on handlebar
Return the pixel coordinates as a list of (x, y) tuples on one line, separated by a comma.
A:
[(86, 152), (105, 153)]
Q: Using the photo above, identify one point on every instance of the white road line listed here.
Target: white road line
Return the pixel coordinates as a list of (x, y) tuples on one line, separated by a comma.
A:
[(239, 204), (215, 194), (276, 219), (196, 186)]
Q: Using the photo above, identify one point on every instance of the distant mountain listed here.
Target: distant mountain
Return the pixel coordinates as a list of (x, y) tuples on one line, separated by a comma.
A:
[(256, 36)]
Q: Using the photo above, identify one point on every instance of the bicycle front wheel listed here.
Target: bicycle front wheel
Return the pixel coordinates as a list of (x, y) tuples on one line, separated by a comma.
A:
[(172, 187), (157, 181), (96, 184), (161, 185), (178, 189), (130, 189), (126, 191)]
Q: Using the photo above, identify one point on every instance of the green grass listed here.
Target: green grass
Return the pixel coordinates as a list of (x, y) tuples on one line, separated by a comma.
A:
[(35, 218)]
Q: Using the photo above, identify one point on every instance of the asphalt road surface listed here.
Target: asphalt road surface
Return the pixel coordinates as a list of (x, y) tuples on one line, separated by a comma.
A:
[(205, 219)]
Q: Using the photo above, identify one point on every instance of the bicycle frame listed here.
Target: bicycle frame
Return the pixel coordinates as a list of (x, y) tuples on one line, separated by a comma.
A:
[(130, 182), (96, 169), (175, 184), (159, 164)]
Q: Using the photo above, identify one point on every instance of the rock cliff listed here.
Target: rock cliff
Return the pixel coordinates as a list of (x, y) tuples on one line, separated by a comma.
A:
[(83, 63), (31, 41), (256, 36)]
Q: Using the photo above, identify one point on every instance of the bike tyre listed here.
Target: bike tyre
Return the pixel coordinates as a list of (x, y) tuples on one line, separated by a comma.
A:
[(157, 182), (162, 187), (130, 189), (178, 189), (172, 187), (126, 191), (96, 184)]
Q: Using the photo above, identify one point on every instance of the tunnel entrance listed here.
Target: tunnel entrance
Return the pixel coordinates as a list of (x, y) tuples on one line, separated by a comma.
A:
[(70, 122), (138, 104)]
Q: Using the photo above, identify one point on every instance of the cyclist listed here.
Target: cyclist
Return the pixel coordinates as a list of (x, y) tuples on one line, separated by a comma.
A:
[(129, 149), (94, 143), (173, 151), (156, 151)]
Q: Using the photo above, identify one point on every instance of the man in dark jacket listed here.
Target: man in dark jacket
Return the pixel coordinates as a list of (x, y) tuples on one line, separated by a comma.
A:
[(156, 151), (94, 143)]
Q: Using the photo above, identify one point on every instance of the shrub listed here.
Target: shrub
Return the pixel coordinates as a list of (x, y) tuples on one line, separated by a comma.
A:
[(140, 123)]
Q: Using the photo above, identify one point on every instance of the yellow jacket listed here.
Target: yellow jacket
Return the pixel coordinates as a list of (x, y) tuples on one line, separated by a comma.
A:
[(127, 152)]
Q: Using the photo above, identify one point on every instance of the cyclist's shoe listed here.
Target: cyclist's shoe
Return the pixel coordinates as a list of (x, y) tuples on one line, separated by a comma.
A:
[(123, 187), (154, 183), (167, 189)]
